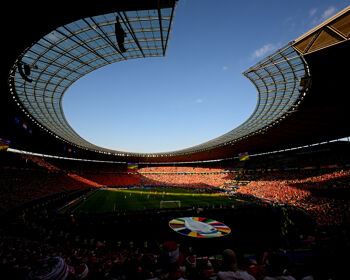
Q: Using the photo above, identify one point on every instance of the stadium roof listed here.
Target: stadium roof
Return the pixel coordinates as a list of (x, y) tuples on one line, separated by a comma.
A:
[(73, 50), (288, 81)]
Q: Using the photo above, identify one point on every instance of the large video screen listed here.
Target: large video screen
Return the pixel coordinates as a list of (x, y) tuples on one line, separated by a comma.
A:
[(133, 166), (4, 144)]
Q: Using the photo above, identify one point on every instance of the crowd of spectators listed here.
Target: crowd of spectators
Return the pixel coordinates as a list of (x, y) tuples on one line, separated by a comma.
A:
[(18, 187), (24, 258), (114, 179), (35, 177), (179, 169), (164, 176), (28, 177), (197, 180), (323, 194), (185, 176)]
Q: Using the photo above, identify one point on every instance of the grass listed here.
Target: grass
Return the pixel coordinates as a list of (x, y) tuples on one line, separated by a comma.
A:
[(108, 200)]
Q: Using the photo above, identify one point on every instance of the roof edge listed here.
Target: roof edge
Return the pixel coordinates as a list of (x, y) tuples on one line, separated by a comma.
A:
[(326, 22)]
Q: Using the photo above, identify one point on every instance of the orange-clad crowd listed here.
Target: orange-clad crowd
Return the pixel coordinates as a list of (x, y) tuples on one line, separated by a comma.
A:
[(184, 176), (323, 194)]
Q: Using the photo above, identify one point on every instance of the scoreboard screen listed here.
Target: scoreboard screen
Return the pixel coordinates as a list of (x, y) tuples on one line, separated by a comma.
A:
[(133, 166), (4, 144), (243, 156)]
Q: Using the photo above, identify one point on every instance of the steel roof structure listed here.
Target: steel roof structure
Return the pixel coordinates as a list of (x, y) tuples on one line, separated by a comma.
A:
[(71, 51), (286, 81)]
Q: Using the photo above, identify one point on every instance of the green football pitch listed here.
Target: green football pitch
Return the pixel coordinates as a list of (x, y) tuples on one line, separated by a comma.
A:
[(109, 200)]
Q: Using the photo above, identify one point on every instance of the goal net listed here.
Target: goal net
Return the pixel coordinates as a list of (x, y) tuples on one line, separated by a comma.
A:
[(169, 204)]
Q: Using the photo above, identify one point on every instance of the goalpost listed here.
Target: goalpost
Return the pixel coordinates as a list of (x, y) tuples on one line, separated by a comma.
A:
[(169, 204)]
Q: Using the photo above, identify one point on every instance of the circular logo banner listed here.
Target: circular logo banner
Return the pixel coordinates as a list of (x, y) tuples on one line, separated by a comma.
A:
[(199, 227)]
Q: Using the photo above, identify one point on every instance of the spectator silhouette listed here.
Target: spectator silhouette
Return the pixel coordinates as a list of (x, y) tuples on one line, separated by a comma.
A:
[(230, 269), (277, 268)]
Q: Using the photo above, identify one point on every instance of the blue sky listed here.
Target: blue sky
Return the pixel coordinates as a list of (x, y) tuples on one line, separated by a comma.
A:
[(197, 91)]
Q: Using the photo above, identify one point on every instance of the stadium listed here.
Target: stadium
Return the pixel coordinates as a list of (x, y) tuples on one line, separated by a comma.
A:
[(274, 189)]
